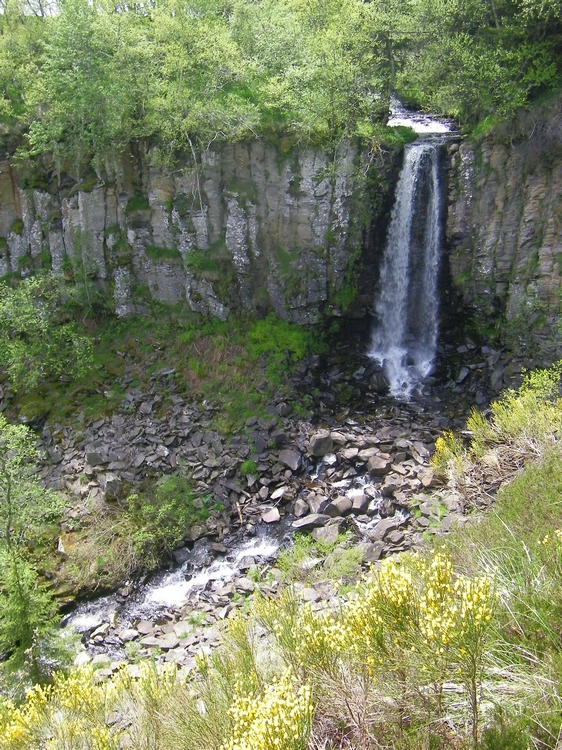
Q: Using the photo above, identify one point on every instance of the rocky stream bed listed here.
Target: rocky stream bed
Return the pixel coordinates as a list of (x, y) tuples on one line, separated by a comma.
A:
[(360, 462)]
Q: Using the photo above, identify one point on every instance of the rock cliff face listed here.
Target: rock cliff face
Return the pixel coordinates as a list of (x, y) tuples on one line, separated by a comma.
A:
[(250, 226), (505, 221)]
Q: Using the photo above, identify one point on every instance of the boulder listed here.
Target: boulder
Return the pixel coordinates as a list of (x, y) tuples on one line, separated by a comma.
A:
[(317, 503), (321, 443), (312, 521), (371, 551), (271, 516), (360, 504), (300, 508), (290, 458), (339, 507), (379, 465), (112, 486), (327, 534)]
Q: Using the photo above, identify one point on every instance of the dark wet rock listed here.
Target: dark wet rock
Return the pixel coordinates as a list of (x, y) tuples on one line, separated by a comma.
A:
[(379, 465), (181, 555)]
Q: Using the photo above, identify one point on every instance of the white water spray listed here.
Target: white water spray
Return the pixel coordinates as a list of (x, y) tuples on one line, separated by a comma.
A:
[(405, 337)]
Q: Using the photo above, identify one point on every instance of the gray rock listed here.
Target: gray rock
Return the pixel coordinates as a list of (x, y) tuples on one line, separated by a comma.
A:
[(372, 551), (327, 534), (129, 634), (379, 465), (360, 504), (112, 486), (317, 503), (300, 508), (312, 521), (94, 458), (395, 537), (339, 507), (290, 458), (271, 516), (321, 443), (383, 527)]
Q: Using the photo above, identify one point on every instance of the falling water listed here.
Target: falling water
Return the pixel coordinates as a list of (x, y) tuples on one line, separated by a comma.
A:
[(405, 337)]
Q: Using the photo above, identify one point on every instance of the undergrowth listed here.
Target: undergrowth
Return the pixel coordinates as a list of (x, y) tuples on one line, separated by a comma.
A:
[(130, 538), (239, 365)]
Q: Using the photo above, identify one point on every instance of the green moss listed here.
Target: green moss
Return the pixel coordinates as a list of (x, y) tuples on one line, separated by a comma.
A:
[(85, 186), (162, 253), (484, 126), (295, 187), (246, 191), (345, 296), (3, 244), (248, 467), (17, 227), (286, 259), (137, 203), (183, 204), (214, 265)]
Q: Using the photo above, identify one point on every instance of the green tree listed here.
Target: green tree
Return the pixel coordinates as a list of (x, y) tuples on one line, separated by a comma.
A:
[(25, 506), (27, 612), (35, 342)]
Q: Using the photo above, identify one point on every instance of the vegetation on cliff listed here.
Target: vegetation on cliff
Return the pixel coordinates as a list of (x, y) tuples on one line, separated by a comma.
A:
[(83, 80)]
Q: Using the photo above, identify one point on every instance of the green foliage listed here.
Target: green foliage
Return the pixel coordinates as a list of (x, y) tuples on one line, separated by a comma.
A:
[(25, 506), (522, 425), (162, 253), (17, 226), (308, 559), (85, 82), (27, 613), (274, 335), (36, 342), (28, 620), (159, 520), (137, 203), (248, 467), (283, 343)]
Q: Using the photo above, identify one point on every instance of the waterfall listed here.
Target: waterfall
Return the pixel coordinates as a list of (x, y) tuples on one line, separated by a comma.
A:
[(405, 336)]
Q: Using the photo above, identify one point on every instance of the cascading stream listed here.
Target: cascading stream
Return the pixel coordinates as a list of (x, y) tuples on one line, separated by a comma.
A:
[(405, 337)]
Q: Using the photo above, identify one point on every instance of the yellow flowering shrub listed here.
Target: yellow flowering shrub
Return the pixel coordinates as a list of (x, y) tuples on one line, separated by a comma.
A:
[(75, 711), (279, 719), (72, 712)]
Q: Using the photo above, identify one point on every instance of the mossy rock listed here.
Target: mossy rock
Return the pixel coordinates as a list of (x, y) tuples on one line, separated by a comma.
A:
[(32, 408)]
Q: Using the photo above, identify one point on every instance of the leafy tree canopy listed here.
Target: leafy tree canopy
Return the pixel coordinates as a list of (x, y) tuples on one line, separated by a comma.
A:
[(82, 80)]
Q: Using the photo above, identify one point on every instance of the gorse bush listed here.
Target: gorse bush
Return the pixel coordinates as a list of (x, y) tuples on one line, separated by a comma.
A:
[(280, 718), (522, 425), (408, 630), (411, 626)]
